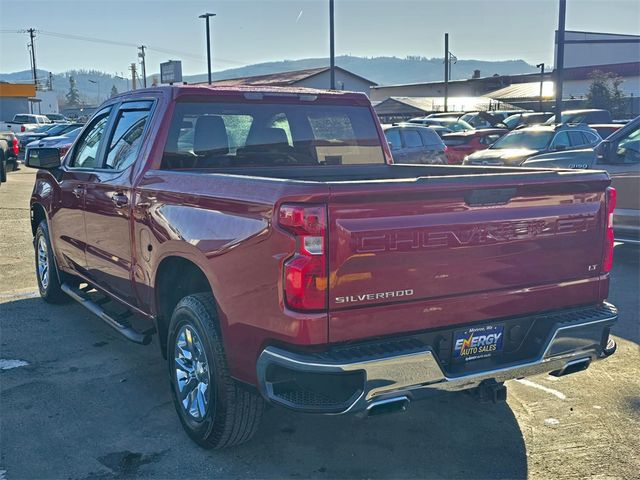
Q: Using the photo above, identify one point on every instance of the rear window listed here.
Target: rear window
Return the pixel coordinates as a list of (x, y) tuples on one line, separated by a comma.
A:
[(454, 141), (213, 135)]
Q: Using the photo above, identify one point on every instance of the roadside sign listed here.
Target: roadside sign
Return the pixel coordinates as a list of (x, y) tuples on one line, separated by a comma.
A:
[(171, 71)]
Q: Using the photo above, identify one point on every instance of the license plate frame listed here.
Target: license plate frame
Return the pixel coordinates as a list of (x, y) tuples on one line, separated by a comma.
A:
[(477, 343)]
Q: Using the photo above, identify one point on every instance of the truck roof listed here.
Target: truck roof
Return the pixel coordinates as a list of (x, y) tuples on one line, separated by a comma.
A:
[(242, 90)]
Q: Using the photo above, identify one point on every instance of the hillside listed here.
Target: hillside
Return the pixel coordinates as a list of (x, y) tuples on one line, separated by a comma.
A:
[(382, 70)]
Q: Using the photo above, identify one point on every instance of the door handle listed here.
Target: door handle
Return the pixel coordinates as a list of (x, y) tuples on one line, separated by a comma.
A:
[(78, 191), (119, 199)]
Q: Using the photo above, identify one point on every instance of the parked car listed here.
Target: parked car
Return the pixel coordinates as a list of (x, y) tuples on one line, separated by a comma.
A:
[(267, 238), (461, 144), (414, 144), (57, 117), (62, 142), (518, 145), (606, 129), (450, 123), (489, 119), (440, 130), (526, 119), (619, 155), (55, 129), (23, 122), (446, 115), (588, 116), (8, 153)]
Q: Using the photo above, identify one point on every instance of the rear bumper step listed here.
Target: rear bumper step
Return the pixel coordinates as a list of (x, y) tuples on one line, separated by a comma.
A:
[(79, 295), (339, 382)]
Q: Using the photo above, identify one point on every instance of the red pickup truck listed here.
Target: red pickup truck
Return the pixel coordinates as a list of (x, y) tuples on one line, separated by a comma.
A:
[(267, 238)]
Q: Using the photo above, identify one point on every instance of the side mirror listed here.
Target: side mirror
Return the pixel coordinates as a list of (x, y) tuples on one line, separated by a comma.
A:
[(559, 148), (44, 158)]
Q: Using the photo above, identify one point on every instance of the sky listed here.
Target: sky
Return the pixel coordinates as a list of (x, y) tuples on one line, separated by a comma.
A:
[(246, 31)]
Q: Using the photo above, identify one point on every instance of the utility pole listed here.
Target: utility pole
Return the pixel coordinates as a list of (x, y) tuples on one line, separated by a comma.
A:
[(32, 36), (562, 15), (144, 66), (50, 81), (541, 67), (446, 72), (133, 75), (332, 47), (206, 17)]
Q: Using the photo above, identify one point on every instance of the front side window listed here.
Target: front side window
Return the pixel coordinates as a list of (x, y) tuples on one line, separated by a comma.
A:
[(212, 135), (126, 139), (86, 153), (628, 149)]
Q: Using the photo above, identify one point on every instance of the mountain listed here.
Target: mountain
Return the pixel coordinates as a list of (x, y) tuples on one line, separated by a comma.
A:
[(95, 86), (382, 70)]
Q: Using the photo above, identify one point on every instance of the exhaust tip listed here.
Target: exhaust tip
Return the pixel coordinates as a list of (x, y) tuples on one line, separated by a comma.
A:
[(572, 367), (389, 405)]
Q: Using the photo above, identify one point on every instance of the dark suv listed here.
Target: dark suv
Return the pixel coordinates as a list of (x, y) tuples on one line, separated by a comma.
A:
[(415, 144), (519, 145)]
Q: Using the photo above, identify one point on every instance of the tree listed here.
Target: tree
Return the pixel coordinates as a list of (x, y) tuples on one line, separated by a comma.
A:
[(114, 91), (604, 91), (73, 96)]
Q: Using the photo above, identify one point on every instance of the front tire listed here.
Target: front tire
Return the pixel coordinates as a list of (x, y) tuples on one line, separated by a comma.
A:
[(46, 269), (214, 409)]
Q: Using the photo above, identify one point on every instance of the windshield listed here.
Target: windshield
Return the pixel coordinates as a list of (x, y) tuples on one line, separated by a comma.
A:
[(58, 128), (531, 140), (42, 129), (211, 135), (73, 133), (512, 121)]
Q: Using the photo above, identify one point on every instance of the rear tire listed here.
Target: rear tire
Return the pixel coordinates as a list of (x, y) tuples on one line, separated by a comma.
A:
[(214, 409), (46, 269)]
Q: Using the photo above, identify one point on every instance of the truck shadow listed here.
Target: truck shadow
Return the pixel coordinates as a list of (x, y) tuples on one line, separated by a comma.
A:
[(80, 375), (451, 436)]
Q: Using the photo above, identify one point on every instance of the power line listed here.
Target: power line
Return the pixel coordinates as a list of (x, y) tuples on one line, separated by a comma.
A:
[(82, 38)]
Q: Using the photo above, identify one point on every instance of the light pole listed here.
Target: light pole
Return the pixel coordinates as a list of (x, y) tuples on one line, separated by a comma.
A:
[(332, 47), (206, 19), (541, 67), (562, 15)]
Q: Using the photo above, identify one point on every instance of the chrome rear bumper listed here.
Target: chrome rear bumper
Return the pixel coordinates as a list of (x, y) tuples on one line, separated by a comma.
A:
[(418, 372)]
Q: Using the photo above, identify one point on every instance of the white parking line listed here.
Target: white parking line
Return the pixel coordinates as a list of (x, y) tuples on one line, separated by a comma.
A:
[(553, 392)]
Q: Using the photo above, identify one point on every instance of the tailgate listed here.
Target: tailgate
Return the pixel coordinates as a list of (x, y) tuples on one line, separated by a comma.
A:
[(394, 245)]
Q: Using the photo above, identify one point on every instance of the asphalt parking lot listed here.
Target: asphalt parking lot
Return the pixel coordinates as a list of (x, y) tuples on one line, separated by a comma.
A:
[(86, 404)]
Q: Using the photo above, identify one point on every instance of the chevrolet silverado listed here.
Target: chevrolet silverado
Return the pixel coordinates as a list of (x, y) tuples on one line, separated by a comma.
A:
[(269, 242)]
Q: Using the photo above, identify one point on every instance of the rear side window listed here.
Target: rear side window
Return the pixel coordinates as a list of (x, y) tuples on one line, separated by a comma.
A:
[(412, 139), (489, 139), (430, 137), (577, 139), (126, 139), (244, 134)]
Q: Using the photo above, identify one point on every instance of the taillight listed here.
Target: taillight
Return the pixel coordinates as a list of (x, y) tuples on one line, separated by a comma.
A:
[(607, 262), (15, 146), (63, 150), (305, 273)]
